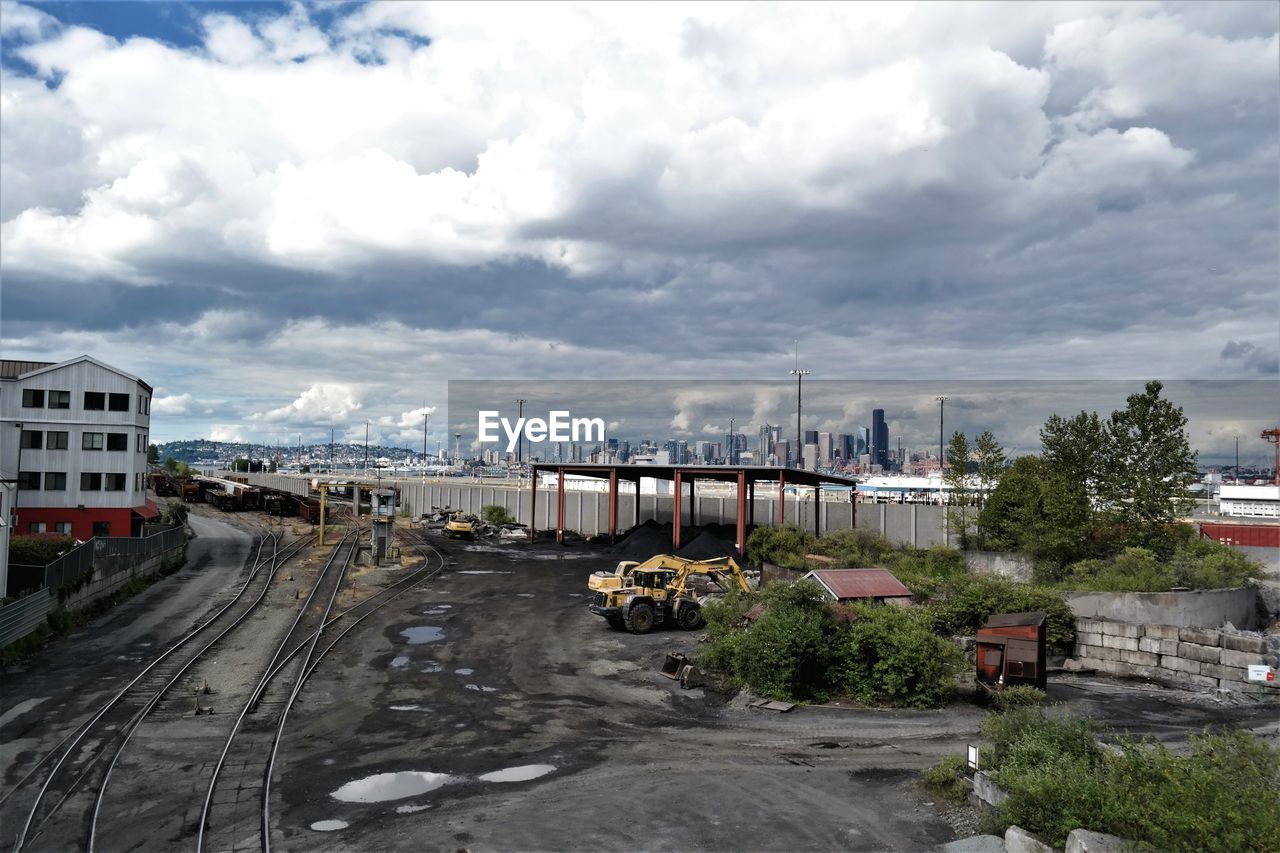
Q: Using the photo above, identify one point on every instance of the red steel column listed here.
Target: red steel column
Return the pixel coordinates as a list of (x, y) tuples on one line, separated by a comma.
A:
[(636, 507), (560, 506), (678, 514), (742, 513), (533, 503), (693, 504), (613, 503), (751, 503)]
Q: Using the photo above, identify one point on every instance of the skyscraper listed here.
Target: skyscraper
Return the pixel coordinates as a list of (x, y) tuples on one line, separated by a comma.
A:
[(879, 439), (811, 436), (825, 448)]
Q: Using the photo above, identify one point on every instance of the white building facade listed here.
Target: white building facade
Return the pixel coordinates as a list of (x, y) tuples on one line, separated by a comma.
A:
[(73, 448), (1250, 501)]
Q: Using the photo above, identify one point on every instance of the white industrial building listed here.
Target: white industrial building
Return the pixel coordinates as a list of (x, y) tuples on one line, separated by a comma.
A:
[(73, 448), (1250, 501)]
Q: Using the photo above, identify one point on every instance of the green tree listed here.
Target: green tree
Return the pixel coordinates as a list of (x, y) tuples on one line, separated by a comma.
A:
[(991, 463), (240, 464), (171, 465), (1076, 451), (273, 467), (1148, 467), (956, 479), (153, 454), (1037, 509)]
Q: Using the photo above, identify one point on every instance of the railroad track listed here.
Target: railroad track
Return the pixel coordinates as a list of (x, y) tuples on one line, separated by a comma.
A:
[(76, 764), (237, 831), (233, 816)]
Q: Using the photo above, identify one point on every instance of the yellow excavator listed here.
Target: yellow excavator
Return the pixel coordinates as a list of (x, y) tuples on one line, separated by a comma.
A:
[(661, 590), (458, 527)]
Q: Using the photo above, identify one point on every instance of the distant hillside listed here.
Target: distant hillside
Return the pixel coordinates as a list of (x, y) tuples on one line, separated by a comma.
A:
[(202, 451)]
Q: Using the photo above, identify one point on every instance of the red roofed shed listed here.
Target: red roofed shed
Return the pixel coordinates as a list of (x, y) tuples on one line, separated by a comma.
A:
[(860, 584)]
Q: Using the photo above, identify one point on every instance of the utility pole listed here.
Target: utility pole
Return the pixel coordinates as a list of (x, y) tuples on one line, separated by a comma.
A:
[(942, 402), (799, 375), (330, 447), (1237, 460), (425, 417), (366, 448), (457, 448)]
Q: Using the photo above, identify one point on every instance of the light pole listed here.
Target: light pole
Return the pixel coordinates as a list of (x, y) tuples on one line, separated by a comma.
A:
[(425, 417), (942, 403), (1237, 460), (799, 375), (457, 448), (366, 448), (520, 441)]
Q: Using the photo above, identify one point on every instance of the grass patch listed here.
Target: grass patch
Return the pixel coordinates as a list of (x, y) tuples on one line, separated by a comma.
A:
[(946, 779), (1194, 564)]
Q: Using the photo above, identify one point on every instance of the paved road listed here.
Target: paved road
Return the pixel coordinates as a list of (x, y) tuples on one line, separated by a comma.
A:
[(54, 691)]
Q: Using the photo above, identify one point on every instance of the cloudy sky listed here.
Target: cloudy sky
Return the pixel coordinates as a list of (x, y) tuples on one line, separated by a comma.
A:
[(286, 216)]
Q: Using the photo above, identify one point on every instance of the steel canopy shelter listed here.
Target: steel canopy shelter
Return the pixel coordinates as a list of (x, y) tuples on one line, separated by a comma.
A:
[(745, 476)]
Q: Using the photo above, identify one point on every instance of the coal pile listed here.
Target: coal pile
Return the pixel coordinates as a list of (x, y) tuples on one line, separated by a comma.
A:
[(650, 538)]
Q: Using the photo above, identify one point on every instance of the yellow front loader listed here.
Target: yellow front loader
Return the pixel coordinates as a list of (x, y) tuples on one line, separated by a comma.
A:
[(661, 590)]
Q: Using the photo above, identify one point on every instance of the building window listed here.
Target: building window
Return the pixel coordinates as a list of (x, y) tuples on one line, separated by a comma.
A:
[(90, 482), (95, 401), (59, 399), (56, 440), (33, 398), (117, 441), (55, 481), (142, 442), (32, 439), (118, 402), (144, 404), (37, 527), (102, 528), (115, 483), (63, 527), (28, 481), (91, 441)]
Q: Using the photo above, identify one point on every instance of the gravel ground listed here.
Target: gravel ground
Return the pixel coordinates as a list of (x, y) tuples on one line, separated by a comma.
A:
[(490, 710)]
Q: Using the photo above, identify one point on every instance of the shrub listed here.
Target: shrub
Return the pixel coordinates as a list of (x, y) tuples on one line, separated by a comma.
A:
[(1197, 564), (496, 514), (38, 550), (175, 515), (786, 654), (1223, 795), (964, 603), (783, 546), (947, 779), (887, 654)]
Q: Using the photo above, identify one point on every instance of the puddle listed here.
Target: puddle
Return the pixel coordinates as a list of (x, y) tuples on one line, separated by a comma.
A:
[(411, 808), (575, 595), (481, 572), (518, 774), (432, 666), (390, 786), (555, 556), (410, 708), (420, 634), (444, 606), (399, 661), (434, 612), (479, 689), (524, 594), (328, 761), (329, 825), (463, 671)]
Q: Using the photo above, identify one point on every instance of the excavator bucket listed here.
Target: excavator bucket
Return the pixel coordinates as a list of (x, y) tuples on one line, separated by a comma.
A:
[(690, 676), (673, 664)]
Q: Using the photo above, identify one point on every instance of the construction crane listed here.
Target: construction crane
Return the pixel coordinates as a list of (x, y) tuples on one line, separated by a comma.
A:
[(1273, 435)]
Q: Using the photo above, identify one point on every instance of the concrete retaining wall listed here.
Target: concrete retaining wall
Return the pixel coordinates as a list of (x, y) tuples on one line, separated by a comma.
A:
[(919, 525), (1017, 567), (1187, 658), (1206, 608), (107, 579)]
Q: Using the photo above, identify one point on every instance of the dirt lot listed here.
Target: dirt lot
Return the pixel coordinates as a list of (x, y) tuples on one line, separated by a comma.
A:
[(512, 671), (490, 710)]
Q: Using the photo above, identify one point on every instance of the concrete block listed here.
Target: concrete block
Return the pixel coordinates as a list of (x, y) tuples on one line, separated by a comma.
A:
[(1204, 654), (975, 844), (1160, 632), (1238, 643), (1140, 658), (1018, 840), (1097, 653), (1122, 629), (1128, 644), (1089, 638), (1224, 673), (986, 789), (1197, 682), (1240, 659), (1200, 636), (1168, 647), (1091, 626), (1084, 841), (1181, 665), (1149, 644)]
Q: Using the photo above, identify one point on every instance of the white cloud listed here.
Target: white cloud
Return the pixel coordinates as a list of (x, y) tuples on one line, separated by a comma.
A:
[(25, 22), (323, 401), (226, 432), (172, 404)]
